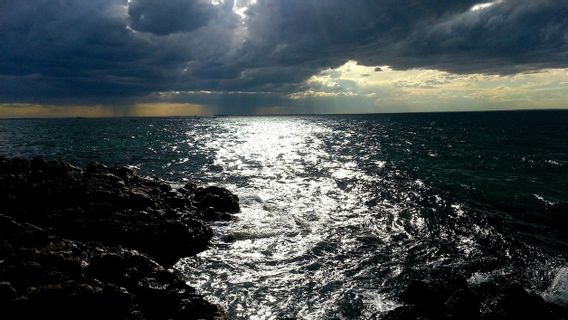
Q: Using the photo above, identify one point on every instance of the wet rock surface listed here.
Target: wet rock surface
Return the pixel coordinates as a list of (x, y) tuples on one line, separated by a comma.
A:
[(454, 298), (92, 243), (213, 203)]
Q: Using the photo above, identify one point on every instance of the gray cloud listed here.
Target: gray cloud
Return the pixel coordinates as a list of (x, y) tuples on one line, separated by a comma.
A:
[(508, 37), (172, 16), (72, 48), (71, 51)]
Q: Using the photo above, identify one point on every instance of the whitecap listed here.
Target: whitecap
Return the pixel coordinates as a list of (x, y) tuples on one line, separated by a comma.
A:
[(558, 290), (541, 198)]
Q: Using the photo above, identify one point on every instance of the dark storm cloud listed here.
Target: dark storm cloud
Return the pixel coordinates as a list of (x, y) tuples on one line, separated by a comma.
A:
[(86, 51), (114, 50), (171, 16), (71, 48), (509, 36)]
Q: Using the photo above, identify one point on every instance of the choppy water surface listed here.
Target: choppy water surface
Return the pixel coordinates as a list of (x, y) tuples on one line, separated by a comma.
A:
[(339, 212)]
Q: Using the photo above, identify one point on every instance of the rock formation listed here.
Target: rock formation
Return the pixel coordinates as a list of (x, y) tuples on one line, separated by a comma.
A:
[(92, 243)]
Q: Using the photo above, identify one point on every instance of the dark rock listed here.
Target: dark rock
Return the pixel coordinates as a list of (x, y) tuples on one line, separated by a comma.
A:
[(20, 233), (463, 305), (210, 214), (59, 170), (514, 302), (408, 312), (109, 205), (7, 292), (487, 301), (428, 299), (76, 301), (220, 199), (421, 293), (124, 173), (188, 189), (64, 234), (95, 167), (107, 266), (117, 284), (139, 199), (558, 311), (430, 296), (70, 266), (177, 200)]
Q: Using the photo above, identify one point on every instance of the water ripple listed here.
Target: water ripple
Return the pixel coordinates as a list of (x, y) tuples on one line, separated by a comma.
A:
[(339, 213)]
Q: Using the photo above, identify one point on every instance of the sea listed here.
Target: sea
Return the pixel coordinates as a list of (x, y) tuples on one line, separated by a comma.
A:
[(340, 212)]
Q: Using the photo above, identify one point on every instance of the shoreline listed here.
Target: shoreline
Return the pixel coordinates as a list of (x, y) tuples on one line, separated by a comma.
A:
[(100, 242)]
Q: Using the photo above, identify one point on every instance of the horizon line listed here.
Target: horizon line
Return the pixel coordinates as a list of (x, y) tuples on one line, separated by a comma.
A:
[(225, 115)]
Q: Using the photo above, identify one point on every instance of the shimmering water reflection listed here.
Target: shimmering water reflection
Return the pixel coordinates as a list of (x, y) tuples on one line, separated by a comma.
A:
[(295, 248), (332, 224), (340, 212)]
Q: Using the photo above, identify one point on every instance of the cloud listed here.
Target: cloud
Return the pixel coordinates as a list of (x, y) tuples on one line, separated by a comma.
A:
[(460, 36), (71, 49), (433, 90), (172, 16), (77, 52), (501, 37), (125, 52)]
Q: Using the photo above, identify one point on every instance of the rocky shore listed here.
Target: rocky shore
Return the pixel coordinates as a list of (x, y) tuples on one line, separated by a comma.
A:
[(98, 242), (453, 298)]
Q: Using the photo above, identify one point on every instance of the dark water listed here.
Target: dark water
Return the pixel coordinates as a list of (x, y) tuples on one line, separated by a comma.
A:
[(339, 212)]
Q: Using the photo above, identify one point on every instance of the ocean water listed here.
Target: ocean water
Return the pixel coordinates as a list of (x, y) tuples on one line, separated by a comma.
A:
[(340, 212)]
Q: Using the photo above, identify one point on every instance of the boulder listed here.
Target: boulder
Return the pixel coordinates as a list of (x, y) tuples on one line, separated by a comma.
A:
[(463, 305), (218, 198), (7, 292), (452, 298), (210, 214), (407, 312), (422, 293), (514, 302)]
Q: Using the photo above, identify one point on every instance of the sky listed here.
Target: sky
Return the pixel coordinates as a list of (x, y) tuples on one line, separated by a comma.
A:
[(107, 58)]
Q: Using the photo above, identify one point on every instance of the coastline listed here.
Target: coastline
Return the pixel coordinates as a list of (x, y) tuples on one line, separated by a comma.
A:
[(99, 242)]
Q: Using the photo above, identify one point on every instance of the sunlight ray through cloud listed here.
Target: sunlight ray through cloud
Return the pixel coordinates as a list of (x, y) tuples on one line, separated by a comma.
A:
[(126, 52), (485, 5), (388, 88)]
